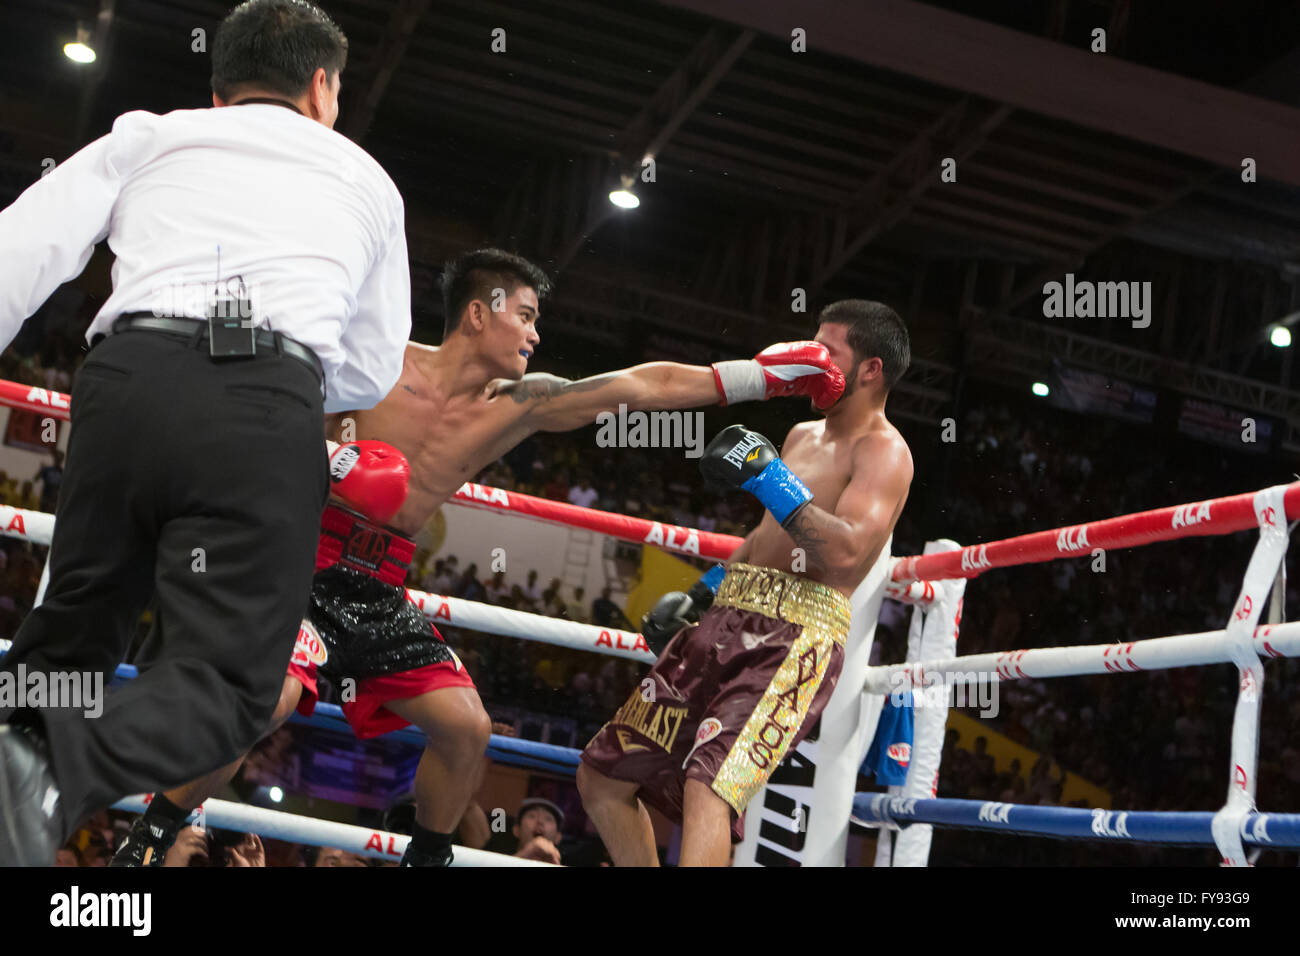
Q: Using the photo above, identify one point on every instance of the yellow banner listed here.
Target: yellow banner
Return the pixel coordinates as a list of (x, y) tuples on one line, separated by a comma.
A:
[(1003, 750), (660, 573)]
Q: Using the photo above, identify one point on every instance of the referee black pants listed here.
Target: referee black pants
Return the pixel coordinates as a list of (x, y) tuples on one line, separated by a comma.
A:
[(200, 483)]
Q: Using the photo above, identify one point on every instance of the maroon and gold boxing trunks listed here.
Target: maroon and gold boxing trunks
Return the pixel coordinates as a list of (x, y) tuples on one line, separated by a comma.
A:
[(732, 695)]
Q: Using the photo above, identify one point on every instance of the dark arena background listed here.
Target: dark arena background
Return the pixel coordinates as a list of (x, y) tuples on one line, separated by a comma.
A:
[(1087, 212)]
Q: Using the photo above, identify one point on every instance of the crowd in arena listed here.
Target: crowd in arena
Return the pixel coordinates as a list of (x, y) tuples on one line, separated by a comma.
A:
[(1155, 741)]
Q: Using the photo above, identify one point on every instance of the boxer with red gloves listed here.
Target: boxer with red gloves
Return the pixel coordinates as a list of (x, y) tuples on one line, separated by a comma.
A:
[(780, 371), (457, 408), (370, 477)]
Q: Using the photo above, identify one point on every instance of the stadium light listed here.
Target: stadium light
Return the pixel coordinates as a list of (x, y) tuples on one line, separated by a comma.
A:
[(623, 197), (1280, 336), (1040, 389), (79, 50)]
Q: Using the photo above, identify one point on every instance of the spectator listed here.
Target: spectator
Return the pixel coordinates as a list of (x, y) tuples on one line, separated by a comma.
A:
[(552, 604), (51, 477), (497, 590), (190, 848), (537, 827), (533, 590), (583, 494), (557, 489), (518, 601), (333, 856), (247, 852), (442, 582), (67, 856), (576, 610), (605, 613), (469, 587)]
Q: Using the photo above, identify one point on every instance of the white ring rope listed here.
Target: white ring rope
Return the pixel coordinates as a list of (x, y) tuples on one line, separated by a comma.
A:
[(38, 528), (456, 612), (296, 828), (1157, 653)]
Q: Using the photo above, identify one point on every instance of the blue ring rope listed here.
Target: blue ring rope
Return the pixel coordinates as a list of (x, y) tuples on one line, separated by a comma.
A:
[(1281, 830)]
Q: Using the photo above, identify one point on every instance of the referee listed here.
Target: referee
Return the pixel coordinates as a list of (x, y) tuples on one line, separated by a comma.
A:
[(261, 280)]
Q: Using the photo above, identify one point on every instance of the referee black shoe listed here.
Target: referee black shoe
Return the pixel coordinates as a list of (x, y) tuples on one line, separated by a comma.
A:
[(29, 799), (414, 857), (146, 843)]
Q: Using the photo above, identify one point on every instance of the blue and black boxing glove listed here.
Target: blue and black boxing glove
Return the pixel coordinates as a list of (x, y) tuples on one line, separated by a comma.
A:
[(740, 458), (676, 610)]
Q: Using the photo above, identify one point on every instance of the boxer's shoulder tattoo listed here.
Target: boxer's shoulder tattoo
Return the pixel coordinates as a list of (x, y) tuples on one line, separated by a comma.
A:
[(543, 386)]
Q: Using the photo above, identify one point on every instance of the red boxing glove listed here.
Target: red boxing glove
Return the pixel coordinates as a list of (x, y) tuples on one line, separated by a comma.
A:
[(370, 477), (790, 368)]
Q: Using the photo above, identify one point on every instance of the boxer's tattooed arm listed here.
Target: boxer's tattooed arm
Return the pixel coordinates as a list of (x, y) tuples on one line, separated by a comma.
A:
[(555, 404), (841, 546), (544, 388), (808, 530)]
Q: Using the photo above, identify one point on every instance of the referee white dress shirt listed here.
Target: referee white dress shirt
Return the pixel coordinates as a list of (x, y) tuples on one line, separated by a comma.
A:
[(253, 202)]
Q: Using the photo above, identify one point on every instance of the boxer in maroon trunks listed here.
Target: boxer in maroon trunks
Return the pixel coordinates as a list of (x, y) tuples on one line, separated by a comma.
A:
[(743, 675), (732, 695), (456, 409)]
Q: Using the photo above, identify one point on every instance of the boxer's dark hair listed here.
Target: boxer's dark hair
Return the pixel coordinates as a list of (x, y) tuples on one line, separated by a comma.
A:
[(874, 331), (477, 274), (277, 46)]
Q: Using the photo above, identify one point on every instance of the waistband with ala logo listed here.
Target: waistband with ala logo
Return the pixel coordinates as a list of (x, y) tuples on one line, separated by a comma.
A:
[(349, 539), (786, 597)]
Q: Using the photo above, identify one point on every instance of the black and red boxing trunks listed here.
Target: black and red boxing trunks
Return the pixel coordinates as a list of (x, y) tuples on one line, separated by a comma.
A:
[(361, 626), (732, 695)]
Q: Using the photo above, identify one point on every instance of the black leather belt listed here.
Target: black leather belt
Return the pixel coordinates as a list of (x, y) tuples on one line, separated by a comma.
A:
[(197, 330)]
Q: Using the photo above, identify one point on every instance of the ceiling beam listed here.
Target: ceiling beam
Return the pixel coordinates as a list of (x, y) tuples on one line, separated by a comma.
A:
[(388, 54), (1092, 90), (1057, 268), (957, 134), (647, 133)]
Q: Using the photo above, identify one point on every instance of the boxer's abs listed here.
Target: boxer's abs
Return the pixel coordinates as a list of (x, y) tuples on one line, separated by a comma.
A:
[(446, 443), (443, 457)]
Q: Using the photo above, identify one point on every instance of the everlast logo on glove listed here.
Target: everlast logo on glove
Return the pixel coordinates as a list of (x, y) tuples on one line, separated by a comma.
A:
[(740, 452)]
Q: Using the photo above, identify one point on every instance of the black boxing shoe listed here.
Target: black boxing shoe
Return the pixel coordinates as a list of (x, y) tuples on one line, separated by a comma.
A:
[(414, 857), (146, 843), (30, 826)]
